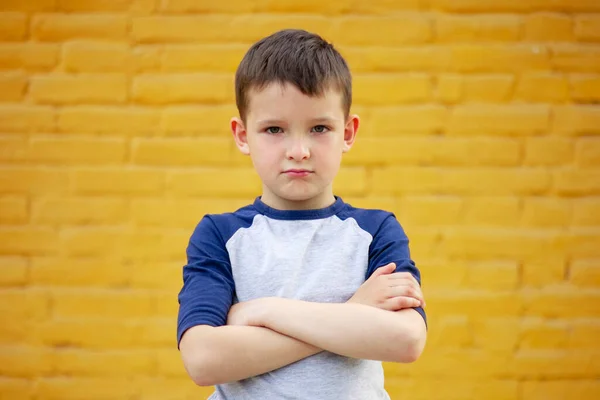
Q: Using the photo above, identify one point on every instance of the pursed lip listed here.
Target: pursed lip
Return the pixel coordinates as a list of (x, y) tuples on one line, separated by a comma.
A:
[(297, 171)]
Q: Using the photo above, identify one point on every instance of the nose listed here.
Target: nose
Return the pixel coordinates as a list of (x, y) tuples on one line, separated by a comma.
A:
[(297, 149)]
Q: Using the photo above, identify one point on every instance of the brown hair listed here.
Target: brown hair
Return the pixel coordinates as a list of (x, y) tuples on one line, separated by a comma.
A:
[(293, 56)]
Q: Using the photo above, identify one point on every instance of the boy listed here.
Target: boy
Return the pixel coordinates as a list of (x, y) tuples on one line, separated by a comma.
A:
[(298, 295)]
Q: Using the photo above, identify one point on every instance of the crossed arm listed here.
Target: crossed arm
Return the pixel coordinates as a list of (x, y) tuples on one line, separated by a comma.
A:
[(266, 334)]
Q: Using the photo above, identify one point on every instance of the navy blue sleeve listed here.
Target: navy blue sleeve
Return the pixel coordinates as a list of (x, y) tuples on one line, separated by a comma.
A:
[(208, 287), (390, 244)]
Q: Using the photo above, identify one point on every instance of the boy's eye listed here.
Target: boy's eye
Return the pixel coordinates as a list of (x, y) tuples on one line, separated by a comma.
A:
[(320, 129), (273, 129)]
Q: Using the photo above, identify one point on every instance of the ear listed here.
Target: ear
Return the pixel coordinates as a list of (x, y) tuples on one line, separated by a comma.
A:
[(239, 135), (350, 131)]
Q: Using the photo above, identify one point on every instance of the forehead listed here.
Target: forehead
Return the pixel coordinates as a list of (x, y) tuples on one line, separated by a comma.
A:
[(286, 101)]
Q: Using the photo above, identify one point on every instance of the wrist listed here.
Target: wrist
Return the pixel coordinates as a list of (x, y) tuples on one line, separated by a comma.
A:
[(269, 309)]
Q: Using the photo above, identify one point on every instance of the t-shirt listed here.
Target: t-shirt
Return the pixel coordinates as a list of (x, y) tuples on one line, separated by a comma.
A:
[(321, 255)]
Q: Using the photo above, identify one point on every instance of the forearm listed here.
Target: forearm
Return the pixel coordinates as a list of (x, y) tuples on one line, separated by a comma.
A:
[(352, 330), (232, 353)]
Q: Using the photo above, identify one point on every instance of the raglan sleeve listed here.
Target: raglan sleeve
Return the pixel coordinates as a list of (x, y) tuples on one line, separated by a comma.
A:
[(390, 244), (208, 286)]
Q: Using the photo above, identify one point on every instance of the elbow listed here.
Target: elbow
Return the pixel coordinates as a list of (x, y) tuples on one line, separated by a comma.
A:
[(199, 370), (411, 345)]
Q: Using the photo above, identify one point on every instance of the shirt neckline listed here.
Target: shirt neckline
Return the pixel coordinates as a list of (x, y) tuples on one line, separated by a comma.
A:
[(289, 215)]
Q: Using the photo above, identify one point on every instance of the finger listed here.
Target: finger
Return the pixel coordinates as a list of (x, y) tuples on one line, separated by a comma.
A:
[(404, 275), (407, 291), (399, 303), (386, 269)]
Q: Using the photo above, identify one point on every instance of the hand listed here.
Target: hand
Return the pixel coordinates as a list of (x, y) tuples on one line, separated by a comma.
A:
[(389, 291), (248, 313)]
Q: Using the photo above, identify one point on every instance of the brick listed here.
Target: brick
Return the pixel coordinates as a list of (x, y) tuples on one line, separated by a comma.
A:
[(103, 303), (473, 303), (24, 304), (488, 28), (156, 332), (14, 210), (106, 6), (28, 56), (450, 88), (87, 56), (441, 274), (576, 58), (496, 335), (22, 118), (366, 30), (79, 211), (28, 241), (351, 181), (542, 88), (584, 334), (191, 6), (493, 275), (585, 88), (487, 88), (583, 243), (548, 151), (461, 388), (406, 180), (226, 182), (451, 332), (563, 303), (498, 243), (550, 364), (169, 363), (208, 28), (379, 89), (69, 151), (161, 388), (499, 119), (544, 272), (31, 5), (24, 361), (14, 271), (157, 275), (206, 57), (64, 89), (587, 152), (63, 27), (13, 26), (16, 388), (586, 212), (577, 119), (398, 59), (167, 304), (198, 120), (587, 27), (183, 152), (514, 5), (109, 120), (544, 212), (476, 151), (71, 388), (92, 241), (12, 86), (491, 211), (13, 149), (496, 58), (51, 271), (415, 119), (543, 335), (33, 181), (104, 363), (577, 182), (585, 273), (560, 389), (88, 333), (390, 151), (436, 211), (495, 181), (542, 26), (183, 88), (167, 212), (119, 181)]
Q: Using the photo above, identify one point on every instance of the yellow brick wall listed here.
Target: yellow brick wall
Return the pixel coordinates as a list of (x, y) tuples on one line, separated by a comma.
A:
[(481, 130)]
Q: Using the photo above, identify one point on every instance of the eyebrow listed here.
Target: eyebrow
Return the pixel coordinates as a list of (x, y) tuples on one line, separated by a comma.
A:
[(279, 121)]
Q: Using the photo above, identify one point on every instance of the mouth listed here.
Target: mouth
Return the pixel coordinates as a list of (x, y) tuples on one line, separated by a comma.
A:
[(297, 172)]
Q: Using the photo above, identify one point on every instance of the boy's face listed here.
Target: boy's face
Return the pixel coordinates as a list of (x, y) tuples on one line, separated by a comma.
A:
[(296, 144)]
